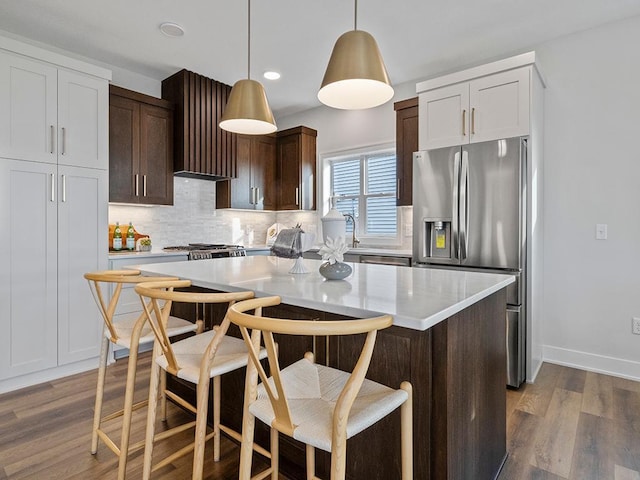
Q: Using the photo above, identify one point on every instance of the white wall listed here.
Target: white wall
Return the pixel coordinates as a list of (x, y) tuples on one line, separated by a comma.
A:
[(592, 175), (346, 129)]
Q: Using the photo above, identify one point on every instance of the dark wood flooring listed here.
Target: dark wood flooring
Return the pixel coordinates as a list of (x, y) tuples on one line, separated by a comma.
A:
[(570, 424), (573, 424)]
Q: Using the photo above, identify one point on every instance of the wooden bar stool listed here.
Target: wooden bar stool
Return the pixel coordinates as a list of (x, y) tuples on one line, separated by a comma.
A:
[(317, 405), (197, 360), (130, 332)]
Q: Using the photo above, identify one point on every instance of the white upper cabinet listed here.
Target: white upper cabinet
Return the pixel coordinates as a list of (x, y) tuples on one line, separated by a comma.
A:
[(480, 104), (52, 115), (28, 109), (443, 117), (83, 106), (499, 105)]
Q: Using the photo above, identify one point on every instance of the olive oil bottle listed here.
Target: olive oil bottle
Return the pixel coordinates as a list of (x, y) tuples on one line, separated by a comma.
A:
[(117, 237), (131, 237)]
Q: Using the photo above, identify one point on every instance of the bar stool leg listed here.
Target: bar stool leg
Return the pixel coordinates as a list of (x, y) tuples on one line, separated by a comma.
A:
[(151, 414), (311, 462), (97, 414), (128, 410), (406, 428), (275, 453), (216, 419), (201, 426), (163, 396)]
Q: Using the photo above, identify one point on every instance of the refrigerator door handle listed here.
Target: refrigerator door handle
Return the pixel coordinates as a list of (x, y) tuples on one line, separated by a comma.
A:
[(456, 190), (464, 205)]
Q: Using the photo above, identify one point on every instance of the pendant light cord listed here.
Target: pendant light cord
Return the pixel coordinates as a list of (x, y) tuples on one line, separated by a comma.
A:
[(249, 39), (355, 15)]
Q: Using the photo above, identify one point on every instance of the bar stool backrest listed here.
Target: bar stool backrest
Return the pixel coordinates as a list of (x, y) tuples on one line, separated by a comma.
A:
[(161, 294), (107, 306), (265, 327)]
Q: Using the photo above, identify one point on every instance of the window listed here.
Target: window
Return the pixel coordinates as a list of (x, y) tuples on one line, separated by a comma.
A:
[(364, 186)]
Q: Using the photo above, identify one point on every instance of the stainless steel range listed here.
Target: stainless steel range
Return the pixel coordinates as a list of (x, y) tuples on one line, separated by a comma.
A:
[(205, 251)]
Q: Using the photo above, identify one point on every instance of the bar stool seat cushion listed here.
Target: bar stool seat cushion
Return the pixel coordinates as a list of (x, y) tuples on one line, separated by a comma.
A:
[(124, 327), (232, 354), (312, 391)]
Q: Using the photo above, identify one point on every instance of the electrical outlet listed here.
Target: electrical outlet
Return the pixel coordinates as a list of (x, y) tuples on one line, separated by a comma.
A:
[(635, 325), (601, 231)]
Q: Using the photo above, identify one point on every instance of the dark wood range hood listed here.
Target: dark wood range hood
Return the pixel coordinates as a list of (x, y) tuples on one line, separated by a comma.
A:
[(201, 148)]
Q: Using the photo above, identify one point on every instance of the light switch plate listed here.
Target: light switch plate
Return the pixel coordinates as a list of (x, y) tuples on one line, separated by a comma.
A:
[(601, 231)]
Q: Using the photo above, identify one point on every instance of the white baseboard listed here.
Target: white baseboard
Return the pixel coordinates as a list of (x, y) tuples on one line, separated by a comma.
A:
[(616, 367), (535, 372), (15, 383)]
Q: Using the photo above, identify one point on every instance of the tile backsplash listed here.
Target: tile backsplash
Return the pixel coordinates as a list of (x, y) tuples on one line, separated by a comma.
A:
[(194, 218)]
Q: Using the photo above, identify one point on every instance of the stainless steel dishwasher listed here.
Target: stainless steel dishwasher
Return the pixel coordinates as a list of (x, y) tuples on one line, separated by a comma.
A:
[(385, 260)]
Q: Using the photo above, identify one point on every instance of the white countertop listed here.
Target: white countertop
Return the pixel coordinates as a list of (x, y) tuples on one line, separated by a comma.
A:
[(417, 298)]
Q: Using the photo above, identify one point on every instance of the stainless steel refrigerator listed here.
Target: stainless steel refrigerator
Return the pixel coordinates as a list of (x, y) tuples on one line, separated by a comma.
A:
[(469, 213)]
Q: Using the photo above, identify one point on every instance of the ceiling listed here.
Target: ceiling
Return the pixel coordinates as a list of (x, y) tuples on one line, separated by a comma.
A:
[(418, 38)]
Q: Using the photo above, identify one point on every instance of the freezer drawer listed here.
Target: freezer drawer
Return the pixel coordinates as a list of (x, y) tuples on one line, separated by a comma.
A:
[(515, 347)]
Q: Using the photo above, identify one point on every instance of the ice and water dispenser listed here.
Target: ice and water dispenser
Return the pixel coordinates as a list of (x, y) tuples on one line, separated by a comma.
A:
[(437, 238)]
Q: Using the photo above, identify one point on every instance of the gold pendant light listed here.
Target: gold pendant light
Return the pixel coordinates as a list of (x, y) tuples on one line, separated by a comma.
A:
[(356, 77), (247, 109)]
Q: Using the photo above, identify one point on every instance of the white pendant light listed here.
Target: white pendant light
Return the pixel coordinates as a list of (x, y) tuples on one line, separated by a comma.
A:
[(247, 109), (356, 77)]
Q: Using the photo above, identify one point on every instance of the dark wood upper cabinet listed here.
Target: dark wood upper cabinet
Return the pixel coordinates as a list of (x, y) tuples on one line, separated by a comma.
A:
[(296, 169), (140, 148), (202, 148), (254, 187), (406, 144)]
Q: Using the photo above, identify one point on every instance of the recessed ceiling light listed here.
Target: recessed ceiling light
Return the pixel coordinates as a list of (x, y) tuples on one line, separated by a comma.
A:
[(271, 75), (171, 29)]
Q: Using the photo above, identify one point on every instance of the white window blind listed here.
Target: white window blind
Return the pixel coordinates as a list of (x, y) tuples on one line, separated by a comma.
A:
[(364, 185)]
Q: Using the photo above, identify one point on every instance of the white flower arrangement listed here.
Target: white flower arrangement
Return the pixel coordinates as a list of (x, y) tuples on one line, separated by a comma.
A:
[(333, 250)]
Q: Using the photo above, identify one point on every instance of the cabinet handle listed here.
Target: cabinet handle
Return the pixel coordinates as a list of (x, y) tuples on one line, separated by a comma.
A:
[(52, 140), (136, 187), (397, 189), (144, 185), (257, 195), (64, 188), (251, 194), (473, 121), (64, 141), (297, 196), (464, 121), (53, 187)]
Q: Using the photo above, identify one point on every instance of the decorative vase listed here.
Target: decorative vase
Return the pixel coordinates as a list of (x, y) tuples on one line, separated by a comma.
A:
[(333, 225), (335, 271)]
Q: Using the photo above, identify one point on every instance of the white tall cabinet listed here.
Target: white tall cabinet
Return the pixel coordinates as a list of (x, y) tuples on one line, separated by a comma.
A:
[(53, 210)]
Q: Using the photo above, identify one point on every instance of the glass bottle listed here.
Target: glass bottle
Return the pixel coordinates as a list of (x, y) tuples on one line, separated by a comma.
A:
[(131, 237), (117, 237)]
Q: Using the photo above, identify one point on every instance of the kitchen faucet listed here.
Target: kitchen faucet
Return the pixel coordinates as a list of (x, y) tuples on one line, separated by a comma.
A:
[(354, 240)]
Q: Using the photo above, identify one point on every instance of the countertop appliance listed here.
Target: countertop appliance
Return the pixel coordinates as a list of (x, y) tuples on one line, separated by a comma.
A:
[(205, 251), (469, 212)]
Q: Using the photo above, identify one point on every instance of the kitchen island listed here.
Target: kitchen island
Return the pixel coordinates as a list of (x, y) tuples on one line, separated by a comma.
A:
[(448, 340)]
